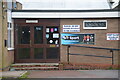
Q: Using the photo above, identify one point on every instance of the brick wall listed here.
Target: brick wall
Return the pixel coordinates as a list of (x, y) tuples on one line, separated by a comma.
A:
[(100, 41), (0, 35), (6, 56)]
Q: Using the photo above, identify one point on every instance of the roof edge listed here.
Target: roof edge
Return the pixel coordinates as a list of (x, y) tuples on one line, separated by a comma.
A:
[(102, 10)]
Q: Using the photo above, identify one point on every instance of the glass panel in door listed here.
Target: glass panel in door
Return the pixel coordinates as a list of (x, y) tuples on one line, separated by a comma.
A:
[(52, 53), (38, 35), (23, 35), (38, 53), (23, 53)]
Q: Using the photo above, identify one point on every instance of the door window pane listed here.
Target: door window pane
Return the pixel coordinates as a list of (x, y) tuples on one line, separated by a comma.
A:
[(52, 53), (23, 53), (38, 35), (23, 35), (38, 53)]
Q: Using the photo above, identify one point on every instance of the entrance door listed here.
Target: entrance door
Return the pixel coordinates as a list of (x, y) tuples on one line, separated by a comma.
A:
[(35, 43)]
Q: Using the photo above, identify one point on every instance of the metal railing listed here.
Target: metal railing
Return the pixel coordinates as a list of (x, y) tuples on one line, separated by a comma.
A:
[(68, 52)]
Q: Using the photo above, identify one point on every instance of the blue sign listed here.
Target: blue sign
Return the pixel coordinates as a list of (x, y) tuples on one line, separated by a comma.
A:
[(77, 38)]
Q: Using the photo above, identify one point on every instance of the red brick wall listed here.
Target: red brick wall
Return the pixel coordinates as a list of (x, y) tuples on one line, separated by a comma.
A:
[(100, 41)]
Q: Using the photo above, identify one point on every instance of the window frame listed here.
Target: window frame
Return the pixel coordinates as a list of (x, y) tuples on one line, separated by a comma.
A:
[(10, 40)]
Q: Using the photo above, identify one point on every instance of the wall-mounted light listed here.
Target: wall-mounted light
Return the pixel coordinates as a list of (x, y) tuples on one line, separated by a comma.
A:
[(3, 6), (111, 2)]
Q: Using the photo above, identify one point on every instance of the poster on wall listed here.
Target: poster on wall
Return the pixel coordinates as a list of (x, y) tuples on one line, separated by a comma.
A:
[(71, 28), (52, 35), (77, 38), (113, 36)]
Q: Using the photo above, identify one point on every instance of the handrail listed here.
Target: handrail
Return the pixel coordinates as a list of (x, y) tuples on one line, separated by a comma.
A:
[(93, 47), (68, 52), (89, 55)]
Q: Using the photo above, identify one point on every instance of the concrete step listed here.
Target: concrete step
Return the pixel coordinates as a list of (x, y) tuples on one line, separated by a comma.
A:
[(34, 66)]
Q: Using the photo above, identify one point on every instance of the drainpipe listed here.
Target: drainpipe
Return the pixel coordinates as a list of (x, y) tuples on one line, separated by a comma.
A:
[(2, 36)]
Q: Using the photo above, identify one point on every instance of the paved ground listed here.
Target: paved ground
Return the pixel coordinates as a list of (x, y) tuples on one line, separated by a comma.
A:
[(13, 74), (64, 74), (75, 74)]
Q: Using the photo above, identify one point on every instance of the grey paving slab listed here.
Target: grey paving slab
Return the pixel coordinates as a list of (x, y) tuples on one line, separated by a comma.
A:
[(102, 73), (13, 74), (75, 74), (0, 75)]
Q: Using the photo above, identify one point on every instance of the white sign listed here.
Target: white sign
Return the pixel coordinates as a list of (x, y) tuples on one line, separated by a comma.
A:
[(113, 36), (47, 29), (55, 35), (95, 24), (71, 28), (56, 42), (31, 21), (47, 36), (51, 41)]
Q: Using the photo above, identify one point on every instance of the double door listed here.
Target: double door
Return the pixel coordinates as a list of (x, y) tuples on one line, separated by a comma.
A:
[(36, 43)]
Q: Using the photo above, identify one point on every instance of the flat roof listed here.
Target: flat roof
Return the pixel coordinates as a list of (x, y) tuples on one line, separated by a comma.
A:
[(102, 10)]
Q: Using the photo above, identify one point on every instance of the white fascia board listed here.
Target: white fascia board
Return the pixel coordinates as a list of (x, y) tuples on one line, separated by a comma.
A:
[(64, 14)]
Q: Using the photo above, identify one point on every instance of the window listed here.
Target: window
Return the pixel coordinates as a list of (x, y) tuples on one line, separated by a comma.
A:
[(95, 24), (14, 5), (38, 35), (9, 35), (9, 4)]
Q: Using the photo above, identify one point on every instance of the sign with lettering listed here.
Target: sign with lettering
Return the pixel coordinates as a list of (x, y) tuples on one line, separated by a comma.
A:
[(95, 24), (71, 28), (77, 38), (113, 36), (31, 21)]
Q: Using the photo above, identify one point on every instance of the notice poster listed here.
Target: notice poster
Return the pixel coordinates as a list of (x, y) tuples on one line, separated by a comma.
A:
[(77, 38), (47, 30), (52, 30), (55, 35), (71, 28), (113, 36)]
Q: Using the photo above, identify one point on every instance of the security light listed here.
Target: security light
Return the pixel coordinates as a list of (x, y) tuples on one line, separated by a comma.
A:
[(111, 2)]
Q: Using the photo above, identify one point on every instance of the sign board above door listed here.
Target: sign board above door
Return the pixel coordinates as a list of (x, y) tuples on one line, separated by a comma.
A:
[(31, 21)]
